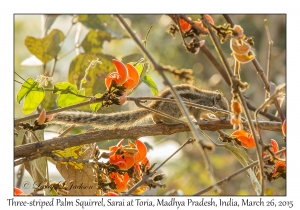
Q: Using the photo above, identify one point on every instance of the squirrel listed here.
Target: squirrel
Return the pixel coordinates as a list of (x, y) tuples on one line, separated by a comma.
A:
[(126, 119)]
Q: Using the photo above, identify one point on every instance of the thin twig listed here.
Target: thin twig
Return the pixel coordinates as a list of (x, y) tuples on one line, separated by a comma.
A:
[(235, 90), (267, 115), (138, 104), (92, 64), (197, 28), (70, 92), (184, 74), (147, 176), (97, 100), (53, 66), (216, 64), (20, 76), (67, 131), (270, 43), (263, 77), (77, 36), (181, 105), (224, 74), (180, 31), (93, 100), (212, 109), (215, 143), (74, 21), (277, 93), (32, 133), (227, 179), (228, 19), (258, 144), (189, 141), (43, 29), (65, 54), (145, 42), (212, 177), (18, 82)]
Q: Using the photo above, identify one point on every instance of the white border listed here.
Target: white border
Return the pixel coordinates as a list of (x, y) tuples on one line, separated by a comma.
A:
[(153, 6)]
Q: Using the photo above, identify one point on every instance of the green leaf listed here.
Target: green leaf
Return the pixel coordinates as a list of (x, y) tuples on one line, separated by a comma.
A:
[(46, 48), (139, 63), (96, 75), (61, 86), (240, 154), (139, 67), (146, 67), (103, 22), (96, 106), (244, 159), (33, 95), (32, 100), (94, 40), (81, 92), (27, 86), (68, 99), (151, 84)]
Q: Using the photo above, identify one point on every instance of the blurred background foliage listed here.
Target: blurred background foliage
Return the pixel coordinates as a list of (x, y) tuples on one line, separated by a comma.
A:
[(185, 172)]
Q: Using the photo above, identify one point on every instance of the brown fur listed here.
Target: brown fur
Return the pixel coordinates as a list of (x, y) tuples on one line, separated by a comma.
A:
[(130, 118)]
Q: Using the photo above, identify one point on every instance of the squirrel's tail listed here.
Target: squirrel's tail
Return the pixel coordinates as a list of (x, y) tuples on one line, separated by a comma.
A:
[(111, 120)]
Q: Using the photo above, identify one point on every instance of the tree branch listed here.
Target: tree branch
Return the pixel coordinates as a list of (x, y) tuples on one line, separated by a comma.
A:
[(44, 148)]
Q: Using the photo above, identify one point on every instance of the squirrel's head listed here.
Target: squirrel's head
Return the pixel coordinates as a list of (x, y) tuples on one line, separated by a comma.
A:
[(220, 102)]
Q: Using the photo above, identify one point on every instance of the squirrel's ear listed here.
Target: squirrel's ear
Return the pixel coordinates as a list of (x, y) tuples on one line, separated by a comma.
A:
[(217, 98)]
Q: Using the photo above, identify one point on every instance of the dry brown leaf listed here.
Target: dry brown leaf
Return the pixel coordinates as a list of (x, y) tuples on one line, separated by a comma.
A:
[(80, 182)]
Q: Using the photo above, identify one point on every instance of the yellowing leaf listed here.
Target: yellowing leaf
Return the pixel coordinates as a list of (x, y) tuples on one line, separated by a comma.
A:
[(269, 191), (96, 76), (103, 22), (46, 48), (81, 181), (75, 152), (94, 40)]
